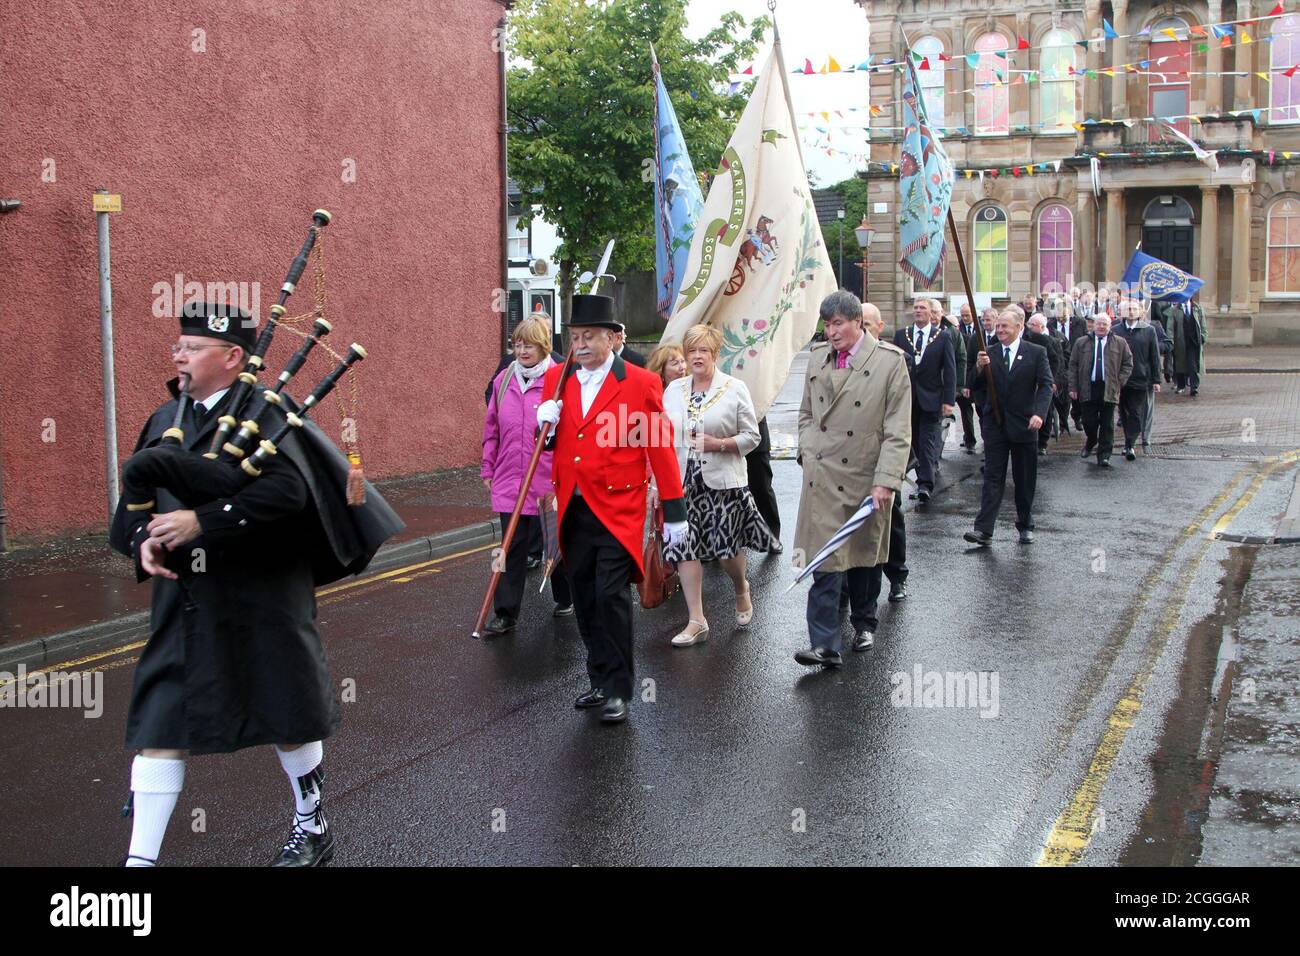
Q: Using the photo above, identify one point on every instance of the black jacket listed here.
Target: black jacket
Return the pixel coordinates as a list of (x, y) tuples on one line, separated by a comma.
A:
[(1023, 392), (1145, 346), (630, 355), (934, 380), (1055, 353)]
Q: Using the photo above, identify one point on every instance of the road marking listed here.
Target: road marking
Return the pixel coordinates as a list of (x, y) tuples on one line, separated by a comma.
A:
[(1221, 525), (1072, 832), (402, 574)]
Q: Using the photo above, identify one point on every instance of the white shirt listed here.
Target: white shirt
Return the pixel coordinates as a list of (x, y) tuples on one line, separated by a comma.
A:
[(211, 401), (591, 381), (1015, 347)]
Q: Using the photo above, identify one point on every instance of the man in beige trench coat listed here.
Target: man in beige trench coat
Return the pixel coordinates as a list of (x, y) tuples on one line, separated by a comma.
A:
[(855, 433)]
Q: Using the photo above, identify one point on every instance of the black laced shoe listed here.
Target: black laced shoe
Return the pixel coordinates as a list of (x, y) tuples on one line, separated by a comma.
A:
[(304, 848)]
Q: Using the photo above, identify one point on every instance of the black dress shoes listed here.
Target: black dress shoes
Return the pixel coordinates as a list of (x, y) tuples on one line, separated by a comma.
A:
[(1087, 450), (923, 496), (563, 610), (615, 711), (982, 538), (1026, 536), (862, 640), (819, 657), (592, 698), (1130, 454), (1103, 462), (500, 624), (304, 848), (1042, 453), (534, 561), (898, 591)]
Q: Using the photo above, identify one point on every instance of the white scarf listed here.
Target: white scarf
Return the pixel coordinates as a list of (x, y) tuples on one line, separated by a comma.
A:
[(526, 376)]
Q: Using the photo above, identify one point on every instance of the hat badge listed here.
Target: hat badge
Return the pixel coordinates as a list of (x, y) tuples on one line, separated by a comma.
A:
[(218, 323)]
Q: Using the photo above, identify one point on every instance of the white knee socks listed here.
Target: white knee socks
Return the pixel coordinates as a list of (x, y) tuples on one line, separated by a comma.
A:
[(303, 767), (155, 784)]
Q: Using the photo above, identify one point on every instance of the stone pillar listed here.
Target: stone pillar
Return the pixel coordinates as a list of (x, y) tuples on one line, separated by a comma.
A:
[(1092, 59), (1243, 59), (1115, 261), (1209, 267), (1086, 234), (1214, 63), (1241, 247), (1118, 57)]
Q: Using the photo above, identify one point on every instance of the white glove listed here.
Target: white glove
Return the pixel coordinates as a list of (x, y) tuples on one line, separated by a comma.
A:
[(548, 413), (675, 532)]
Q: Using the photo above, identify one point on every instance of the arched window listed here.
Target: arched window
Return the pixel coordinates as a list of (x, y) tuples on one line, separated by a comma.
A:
[(1055, 249), (932, 79), (1284, 248), (1169, 88), (1056, 84), (992, 115), (991, 250), (1285, 90)]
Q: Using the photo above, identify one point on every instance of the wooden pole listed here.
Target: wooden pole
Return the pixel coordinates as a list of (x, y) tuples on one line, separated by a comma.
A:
[(979, 325), (508, 537)]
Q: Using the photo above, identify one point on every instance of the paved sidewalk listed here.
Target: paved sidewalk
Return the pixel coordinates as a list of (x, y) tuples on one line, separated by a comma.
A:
[(71, 591)]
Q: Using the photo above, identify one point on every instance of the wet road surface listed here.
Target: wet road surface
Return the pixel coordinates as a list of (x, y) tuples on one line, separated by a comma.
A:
[(458, 751)]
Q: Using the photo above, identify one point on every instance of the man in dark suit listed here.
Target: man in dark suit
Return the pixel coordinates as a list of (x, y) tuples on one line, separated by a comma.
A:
[(1037, 333), (1138, 390), (626, 352), (1065, 330), (932, 364), (1100, 364), (1023, 379), (970, 341), (988, 319)]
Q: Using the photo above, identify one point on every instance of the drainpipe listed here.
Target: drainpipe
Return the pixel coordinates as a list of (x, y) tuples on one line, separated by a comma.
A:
[(6, 205), (505, 199)]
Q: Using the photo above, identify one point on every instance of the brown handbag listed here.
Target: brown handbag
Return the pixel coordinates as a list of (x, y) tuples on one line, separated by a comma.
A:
[(660, 580)]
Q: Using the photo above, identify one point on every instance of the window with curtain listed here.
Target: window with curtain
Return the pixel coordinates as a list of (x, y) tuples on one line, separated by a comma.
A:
[(1056, 86), (1284, 248), (517, 240), (1055, 248), (932, 79), (992, 113), (991, 250), (1284, 95)]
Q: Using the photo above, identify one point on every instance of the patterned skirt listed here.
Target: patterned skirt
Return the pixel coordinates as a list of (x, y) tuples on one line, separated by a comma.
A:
[(722, 520)]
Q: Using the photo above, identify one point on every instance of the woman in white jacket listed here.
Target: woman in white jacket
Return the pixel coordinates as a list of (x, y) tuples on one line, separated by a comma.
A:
[(715, 424)]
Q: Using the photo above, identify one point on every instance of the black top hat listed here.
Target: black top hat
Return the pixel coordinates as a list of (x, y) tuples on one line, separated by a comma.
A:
[(597, 310), (216, 320)]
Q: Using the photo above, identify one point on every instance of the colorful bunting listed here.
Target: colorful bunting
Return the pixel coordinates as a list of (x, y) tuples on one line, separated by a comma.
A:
[(1022, 43), (1108, 30)]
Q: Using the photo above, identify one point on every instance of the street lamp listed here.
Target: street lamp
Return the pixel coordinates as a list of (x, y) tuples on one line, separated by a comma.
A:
[(839, 276), (865, 234)]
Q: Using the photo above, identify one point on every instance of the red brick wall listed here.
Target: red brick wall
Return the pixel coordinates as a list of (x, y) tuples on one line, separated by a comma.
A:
[(220, 157)]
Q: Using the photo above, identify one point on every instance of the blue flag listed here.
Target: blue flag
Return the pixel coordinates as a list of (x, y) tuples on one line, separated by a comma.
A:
[(1152, 278), (678, 201), (924, 187)]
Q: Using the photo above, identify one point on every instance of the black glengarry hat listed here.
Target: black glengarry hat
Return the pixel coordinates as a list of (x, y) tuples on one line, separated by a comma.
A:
[(594, 310), (216, 320)]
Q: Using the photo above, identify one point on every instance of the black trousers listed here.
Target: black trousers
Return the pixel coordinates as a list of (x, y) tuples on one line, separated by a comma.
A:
[(1132, 413), (1099, 425), (967, 420), (823, 614), (1024, 472), (510, 591), (758, 463), (604, 603), (927, 446), (1190, 378)]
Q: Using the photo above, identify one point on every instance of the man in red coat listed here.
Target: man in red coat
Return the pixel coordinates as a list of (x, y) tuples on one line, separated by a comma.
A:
[(608, 424)]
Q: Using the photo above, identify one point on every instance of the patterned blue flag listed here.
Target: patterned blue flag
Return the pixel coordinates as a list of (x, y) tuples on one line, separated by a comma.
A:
[(678, 201), (924, 188), (1153, 278)]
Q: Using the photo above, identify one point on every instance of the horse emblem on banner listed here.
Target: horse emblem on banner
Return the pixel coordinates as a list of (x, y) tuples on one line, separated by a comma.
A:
[(759, 244)]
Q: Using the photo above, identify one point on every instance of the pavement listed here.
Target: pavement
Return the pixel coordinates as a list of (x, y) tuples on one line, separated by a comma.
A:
[(1144, 650)]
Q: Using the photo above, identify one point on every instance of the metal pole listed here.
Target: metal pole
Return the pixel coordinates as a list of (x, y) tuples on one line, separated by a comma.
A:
[(864, 273), (106, 352), (6, 205)]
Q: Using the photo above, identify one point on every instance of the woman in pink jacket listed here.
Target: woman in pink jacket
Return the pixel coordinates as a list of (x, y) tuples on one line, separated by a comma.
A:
[(509, 436)]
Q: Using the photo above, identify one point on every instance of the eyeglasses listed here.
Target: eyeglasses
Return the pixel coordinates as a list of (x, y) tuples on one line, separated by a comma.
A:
[(191, 349)]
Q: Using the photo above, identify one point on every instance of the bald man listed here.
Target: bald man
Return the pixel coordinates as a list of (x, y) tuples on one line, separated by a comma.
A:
[(895, 568), (872, 320)]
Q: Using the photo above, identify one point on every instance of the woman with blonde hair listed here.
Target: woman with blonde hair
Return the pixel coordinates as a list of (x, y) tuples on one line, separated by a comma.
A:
[(509, 434), (713, 415), (668, 362)]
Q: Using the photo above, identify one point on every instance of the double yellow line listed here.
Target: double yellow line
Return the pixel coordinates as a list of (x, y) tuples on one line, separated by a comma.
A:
[(402, 575), (1072, 832)]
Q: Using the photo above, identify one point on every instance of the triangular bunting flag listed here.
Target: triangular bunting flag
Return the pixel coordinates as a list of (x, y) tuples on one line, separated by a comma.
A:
[(1022, 43), (1286, 155), (1108, 30), (1202, 47), (973, 60), (1245, 38), (1290, 71), (1029, 170), (833, 66), (1197, 31), (808, 68), (1222, 29), (1226, 43), (1276, 11), (924, 64), (1056, 165)]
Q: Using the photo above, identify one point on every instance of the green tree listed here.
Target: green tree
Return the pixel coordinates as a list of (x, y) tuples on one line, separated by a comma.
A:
[(581, 114), (854, 193)]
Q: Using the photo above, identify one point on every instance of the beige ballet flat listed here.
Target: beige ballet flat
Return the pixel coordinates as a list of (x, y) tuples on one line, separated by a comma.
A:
[(685, 639), (744, 617)]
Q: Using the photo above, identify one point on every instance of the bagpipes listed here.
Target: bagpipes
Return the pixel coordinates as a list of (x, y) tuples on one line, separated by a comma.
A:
[(355, 532)]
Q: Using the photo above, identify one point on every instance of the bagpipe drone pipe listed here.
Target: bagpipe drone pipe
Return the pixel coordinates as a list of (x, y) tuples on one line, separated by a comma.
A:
[(353, 519)]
